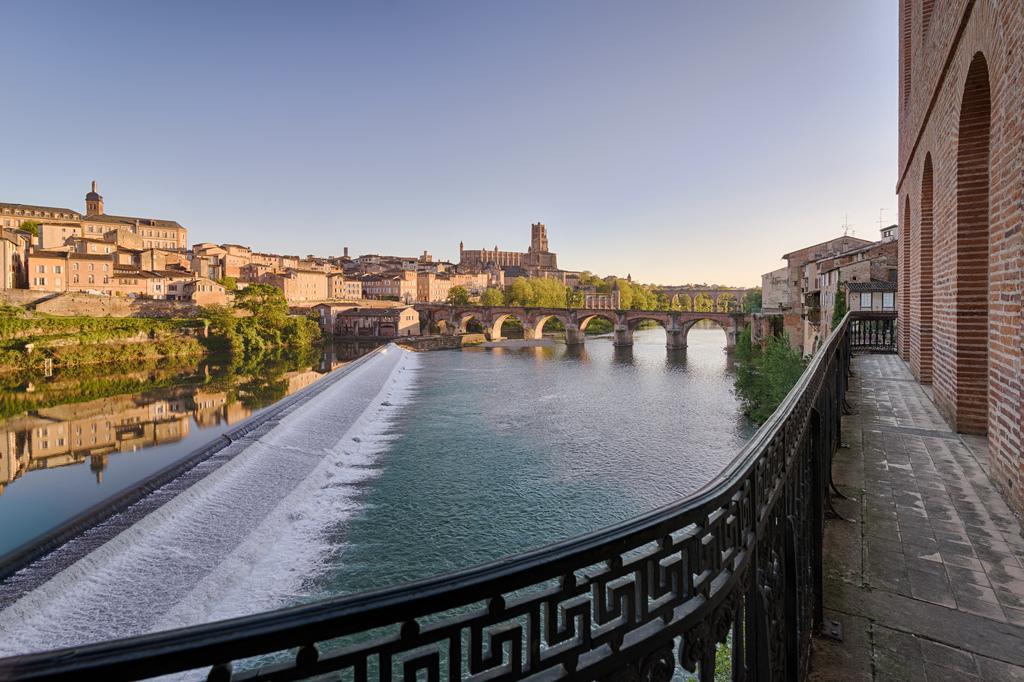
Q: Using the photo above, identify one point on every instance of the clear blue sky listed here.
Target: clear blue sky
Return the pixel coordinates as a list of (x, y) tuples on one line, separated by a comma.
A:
[(678, 141)]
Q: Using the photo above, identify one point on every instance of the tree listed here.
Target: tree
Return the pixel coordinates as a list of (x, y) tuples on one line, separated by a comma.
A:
[(229, 283), (458, 296), (764, 376), (840, 308), (492, 296), (30, 226), (752, 301), (263, 300), (703, 303)]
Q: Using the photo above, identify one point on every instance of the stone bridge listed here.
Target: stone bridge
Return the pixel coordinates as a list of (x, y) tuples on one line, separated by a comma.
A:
[(448, 319)]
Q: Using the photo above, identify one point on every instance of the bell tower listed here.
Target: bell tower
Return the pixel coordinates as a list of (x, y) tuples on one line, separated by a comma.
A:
[(93, 202), (538, 238)]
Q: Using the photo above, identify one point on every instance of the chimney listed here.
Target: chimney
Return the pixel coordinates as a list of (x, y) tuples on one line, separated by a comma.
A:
[(346, 252)]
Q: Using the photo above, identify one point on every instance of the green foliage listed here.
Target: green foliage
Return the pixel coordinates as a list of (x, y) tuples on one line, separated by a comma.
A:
[(31, 226), (229, 283), (492, 296), (633, 296), (14, 326), (599, 325), (588, 279), (458, 296), (267, 329), (541, 292), (840, 308), (752, 301), (765, 375), (702, 303)]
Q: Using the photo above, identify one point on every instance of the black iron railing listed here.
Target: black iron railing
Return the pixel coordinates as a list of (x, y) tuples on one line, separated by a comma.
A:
[(873, 332), (734, 570)]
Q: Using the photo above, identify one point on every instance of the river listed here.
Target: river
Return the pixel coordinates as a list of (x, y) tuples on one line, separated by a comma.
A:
[(430, 462)]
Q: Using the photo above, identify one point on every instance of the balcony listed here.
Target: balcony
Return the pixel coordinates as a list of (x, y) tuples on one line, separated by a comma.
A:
[(756, 576)]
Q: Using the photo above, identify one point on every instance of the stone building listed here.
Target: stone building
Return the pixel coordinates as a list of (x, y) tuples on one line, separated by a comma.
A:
[(876, 296), (394, 286), (961, 163), (299, 286), (786, 297), (58, 224), (432, 288), (876, 262), (344, 288), (388, 323), (535, 260)]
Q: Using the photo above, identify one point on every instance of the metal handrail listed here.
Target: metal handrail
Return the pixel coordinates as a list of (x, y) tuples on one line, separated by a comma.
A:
[(740, 557)]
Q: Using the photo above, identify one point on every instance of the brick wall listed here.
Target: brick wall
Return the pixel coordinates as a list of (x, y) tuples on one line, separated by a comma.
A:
[(961, 175)]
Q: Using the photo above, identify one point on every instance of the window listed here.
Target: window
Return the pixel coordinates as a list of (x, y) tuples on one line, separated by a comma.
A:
[(58, 269), (74, 266), (92, 279), (865, 300), (40, 268), (888, 301), (74, 279)]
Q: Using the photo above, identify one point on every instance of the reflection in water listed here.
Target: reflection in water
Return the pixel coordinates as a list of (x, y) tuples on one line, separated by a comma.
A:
[(623, 355), (60, 426), (675, 359)]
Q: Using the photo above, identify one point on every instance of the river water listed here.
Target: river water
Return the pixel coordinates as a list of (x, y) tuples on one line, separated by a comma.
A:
[(420, 464)]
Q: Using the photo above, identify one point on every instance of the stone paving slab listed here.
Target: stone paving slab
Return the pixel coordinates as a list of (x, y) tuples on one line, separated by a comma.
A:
[(925, 569)]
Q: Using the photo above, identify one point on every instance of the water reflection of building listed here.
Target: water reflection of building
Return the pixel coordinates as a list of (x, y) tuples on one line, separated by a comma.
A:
[(73, 433)]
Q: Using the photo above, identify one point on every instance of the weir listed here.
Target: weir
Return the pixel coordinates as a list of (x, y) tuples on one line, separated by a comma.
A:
[(242, 539)]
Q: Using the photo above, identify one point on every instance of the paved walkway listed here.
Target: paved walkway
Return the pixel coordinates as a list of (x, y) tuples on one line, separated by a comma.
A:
[(926, 572)]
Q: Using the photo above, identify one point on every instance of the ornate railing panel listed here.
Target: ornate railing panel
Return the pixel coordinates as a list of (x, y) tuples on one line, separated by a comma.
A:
[(732, 572), (873, 332)]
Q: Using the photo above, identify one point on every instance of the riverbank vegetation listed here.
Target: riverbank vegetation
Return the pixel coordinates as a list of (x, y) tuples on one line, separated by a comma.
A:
[(765, 375), (255, 327), (546, 292), (254, 383), (258, 324), (34, 341)]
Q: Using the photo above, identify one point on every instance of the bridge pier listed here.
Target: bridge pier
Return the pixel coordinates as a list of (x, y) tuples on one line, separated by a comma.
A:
[(675, 339), (622, 337), (574, 336)]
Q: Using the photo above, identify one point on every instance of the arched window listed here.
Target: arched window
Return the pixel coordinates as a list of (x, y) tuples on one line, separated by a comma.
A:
[(92, 279)]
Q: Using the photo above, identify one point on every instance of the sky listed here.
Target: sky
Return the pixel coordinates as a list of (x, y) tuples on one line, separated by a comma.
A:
[(678, 142)]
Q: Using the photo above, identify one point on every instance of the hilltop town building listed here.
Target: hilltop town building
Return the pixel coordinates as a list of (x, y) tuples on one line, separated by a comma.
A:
[(961, 160), (57, 224), (536, 260)]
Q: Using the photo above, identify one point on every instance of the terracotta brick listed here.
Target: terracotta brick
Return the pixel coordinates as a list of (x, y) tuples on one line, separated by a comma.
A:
[(961, 175)]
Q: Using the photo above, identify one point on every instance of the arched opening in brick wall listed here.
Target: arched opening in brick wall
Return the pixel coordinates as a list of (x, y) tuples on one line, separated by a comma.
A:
[(972, 251), (906, 239), (906, 45), (925, 274)]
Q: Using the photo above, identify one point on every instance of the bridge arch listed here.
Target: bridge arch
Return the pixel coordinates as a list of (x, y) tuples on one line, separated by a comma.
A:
[(466, 318), (585, 322), (726, 302), (634, 320), (499, 320), (536, 323), (727, 325)]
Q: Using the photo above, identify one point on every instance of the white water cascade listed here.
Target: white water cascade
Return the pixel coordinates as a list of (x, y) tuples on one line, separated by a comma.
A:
[(248, 537)]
